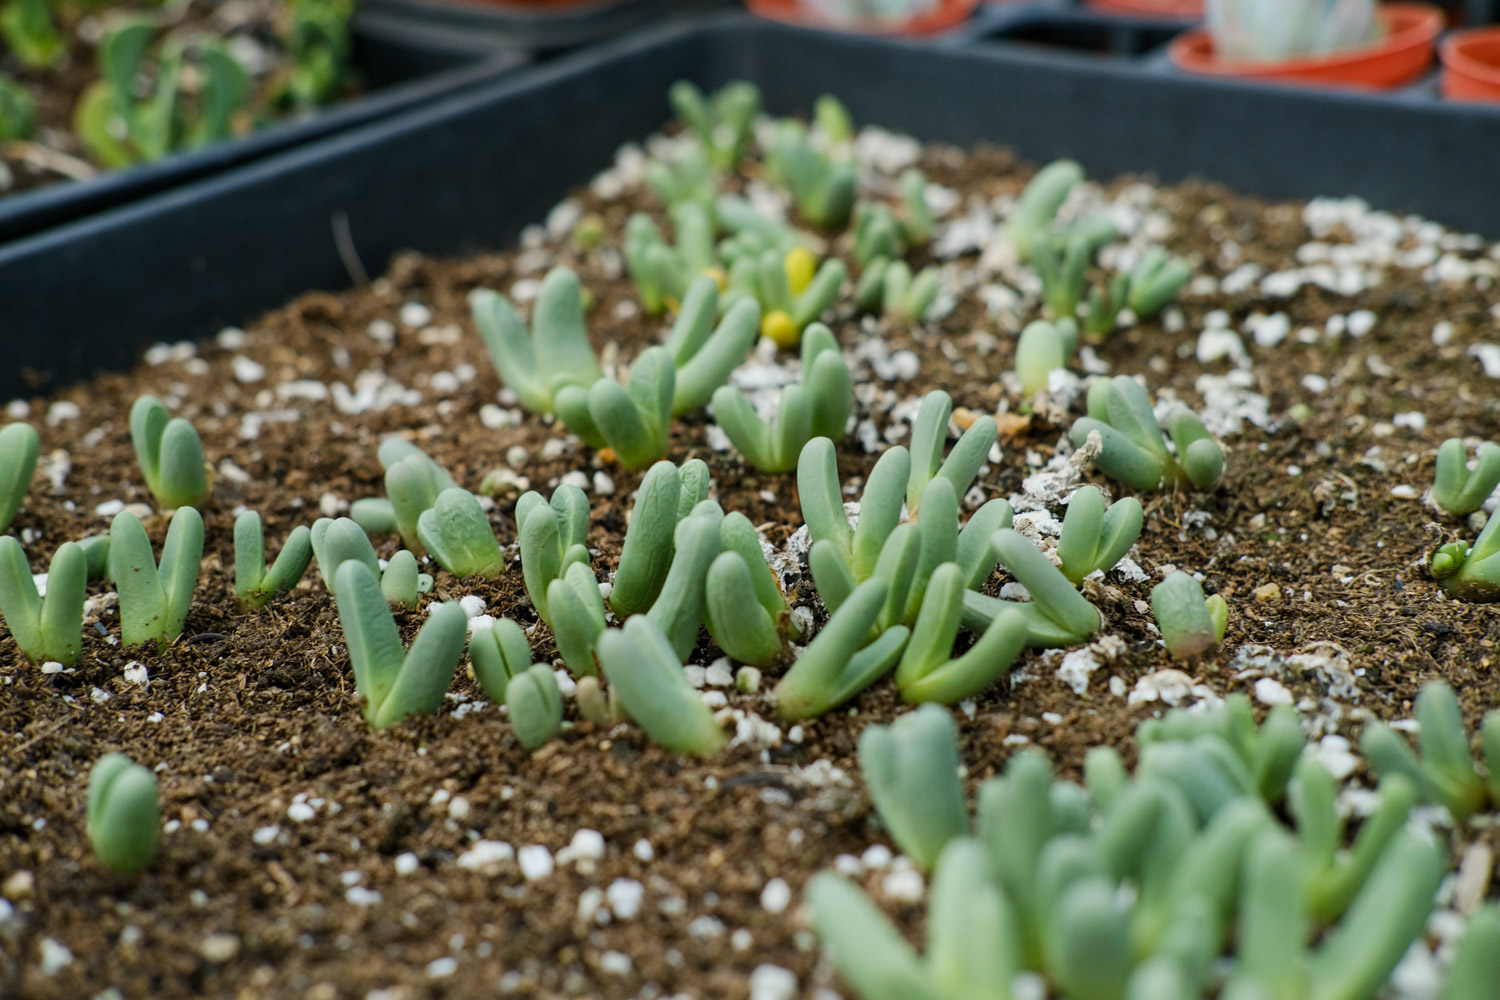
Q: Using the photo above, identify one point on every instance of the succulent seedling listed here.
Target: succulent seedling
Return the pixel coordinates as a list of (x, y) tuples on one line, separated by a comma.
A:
[(553, 353), (666, 496), (1190, 625), (1061, 259), (578, 618), (535, 705), (1455, 489), (1095, 537), (842, 661), (154, 599), (634, 419), (458, 534), (911, 768), (646, 676), (552, 536), (47, 628), (412, 484), (255, 584), (1056, 615), (123, 819), (1444, 774), (402, 580), (1038, 205), (1155, 281), (926, 672), (822, 186), (704, 353), (1134, 449), (890, 287), (1042, 349), (18, 451), (792, 288), (337, 540), (498, 654), (170, 454), (722, 123)]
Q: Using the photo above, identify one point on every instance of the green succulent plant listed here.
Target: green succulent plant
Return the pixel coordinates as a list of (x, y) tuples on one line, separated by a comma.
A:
[(154, 600), (1042, 349), (822, 186), (31, 34), (535, 705), (818, 406), (553, 534), (255, 584), (402, 580), (1444, 773), (663, 272), (666, 496), (1190, 625), (1135, 451), (889, 287), (1062, 258), (911, 769), (1155, 281), (1455, 489), (1095, 537), (50, 628), (170, 454), (498, 654), (578, 617), (646, 676), (458, 534), (793, 289), (412, 484), (749, 631), (18, 451), (688, 179), (1471, 572), (555, 352), (394, 682), (1038, 205), (123, 820), (336, 541), (17, 110), (842, 660), (722, 123)]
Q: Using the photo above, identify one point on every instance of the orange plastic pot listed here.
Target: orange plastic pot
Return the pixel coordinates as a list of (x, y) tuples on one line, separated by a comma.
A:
[(1471, 65), (1182, 9), (947, 14), (1399, 56)]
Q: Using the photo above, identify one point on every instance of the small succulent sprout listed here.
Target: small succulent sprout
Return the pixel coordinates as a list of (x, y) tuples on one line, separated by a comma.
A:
[(635, 419), (170, 454), (50, 628), (401, 581), (255, 584), (498, 654), (750, 632), (18, 452), (926, 671), (722, 123), (1476, 964), (1455, 489), (1190, 626), (1042, 349), (877, 235), (458, 534), (841, 661), (1095, 537), (1332, 877), (890, 286), (1056, 615), (337, 540), (553, 536), (1134, 450), (666, 496), (598, 704), (833, 119), (154, 600), (1155, 281), (787, 305), (123, 820), (394, 682), (577, 617), (96, 551), (1038, 204), (917, 224), (929, 434), (663, 272), (872, 956), (647, 678), (911, 768), (818, 406), (556, 351), (412, 484), (1062, 259), (1471, 573), (750, 231), (679, 608), (705, 354), (1444, 774), (689, 178), (823, 187), (1102, 307), (535, 705)]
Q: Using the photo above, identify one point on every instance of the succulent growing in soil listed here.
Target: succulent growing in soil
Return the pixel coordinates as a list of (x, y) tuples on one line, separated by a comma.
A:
[(1061, 259), (818, 406), (170, 454), (791, 287), (723, 123), (1135, 451), (1042, 349), (154, 600), (394, 682), (1190, 625), (1095, 537), (635, 419), (842, 660), (1268, 752), (1476, 965), (30, 33), (458, 534), (749, 631), (412, 484), (646, 677), (890, 287), (1471, 572), (689, 179), (1455, 489), (18, 451), (911, 769), (498, 654), (336, 541), (666, 496), (1038, 204), (1155, 280), (704, 352), (402, 580), (534, 704), (1444, 774), (552, 537), (926, 672), (47, 628), (255, 584), (123, 820), (578, 618), (929, 434), (554, 352), (661, 271), (1056, 615), (822, 186), (678, 609), (17, 110)]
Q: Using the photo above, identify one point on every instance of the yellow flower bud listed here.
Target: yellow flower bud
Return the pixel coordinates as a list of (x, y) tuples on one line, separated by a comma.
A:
[(799, 265), (778, 326)]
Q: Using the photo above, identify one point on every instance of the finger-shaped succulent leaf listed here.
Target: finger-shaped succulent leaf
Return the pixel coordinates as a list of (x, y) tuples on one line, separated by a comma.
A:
[(879, 510), (1187, 627), (899, 564), (928, 674), (376, 515), (401, 580), (917, 224), (254, 584), (1121, 458), (1389, 913), (1331, 890), (973, 946), (458, 534), (1051, 593), (1446, 759), (535, 706), (647, 679), (123, 819), (556, 348), (929, 433), (395, 449), (413, 490), (1278, 747), (1455, 489), (1489, 739), (1206, 770), (963, 461), (1043, 348), (871, 955), (1198, 455), (498, 653), (50, 628), (679, 607), (646, 555), (937, 525), (635, 419), (820, 294), (1088, 920), (577, 617), (1096, 538), (831, 576), (335, 541), (975, 553), (822, 497), (1155, 281), (1015, 823), (743, 629), (1476, 964), (170, 454), (709, 362), (911, 768), (18, 451), (1038, 204), (154, 599), (829, 386), (1273, 926), (737, 534), (877, 235), (552, 536), (834, 667)]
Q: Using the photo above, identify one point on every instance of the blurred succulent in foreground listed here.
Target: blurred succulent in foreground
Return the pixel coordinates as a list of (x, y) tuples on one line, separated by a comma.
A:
[(1444, 774), (1038, 204), (123, 819), (170, 454)]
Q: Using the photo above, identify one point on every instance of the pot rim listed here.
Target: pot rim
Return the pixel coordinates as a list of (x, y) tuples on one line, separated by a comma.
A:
[(1411, 26), (947, 14), (1457, 58)]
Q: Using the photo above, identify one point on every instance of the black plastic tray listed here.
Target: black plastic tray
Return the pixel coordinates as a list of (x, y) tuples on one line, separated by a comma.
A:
[(544, 28), (403, 68), (472, 169)]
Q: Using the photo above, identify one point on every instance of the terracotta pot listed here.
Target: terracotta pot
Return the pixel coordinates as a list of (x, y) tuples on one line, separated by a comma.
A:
[(947, 14), (1400, 56), (1471, 65), (1187, 10)]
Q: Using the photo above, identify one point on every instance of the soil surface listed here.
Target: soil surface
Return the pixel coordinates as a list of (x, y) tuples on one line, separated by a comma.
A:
[(309, 856)]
